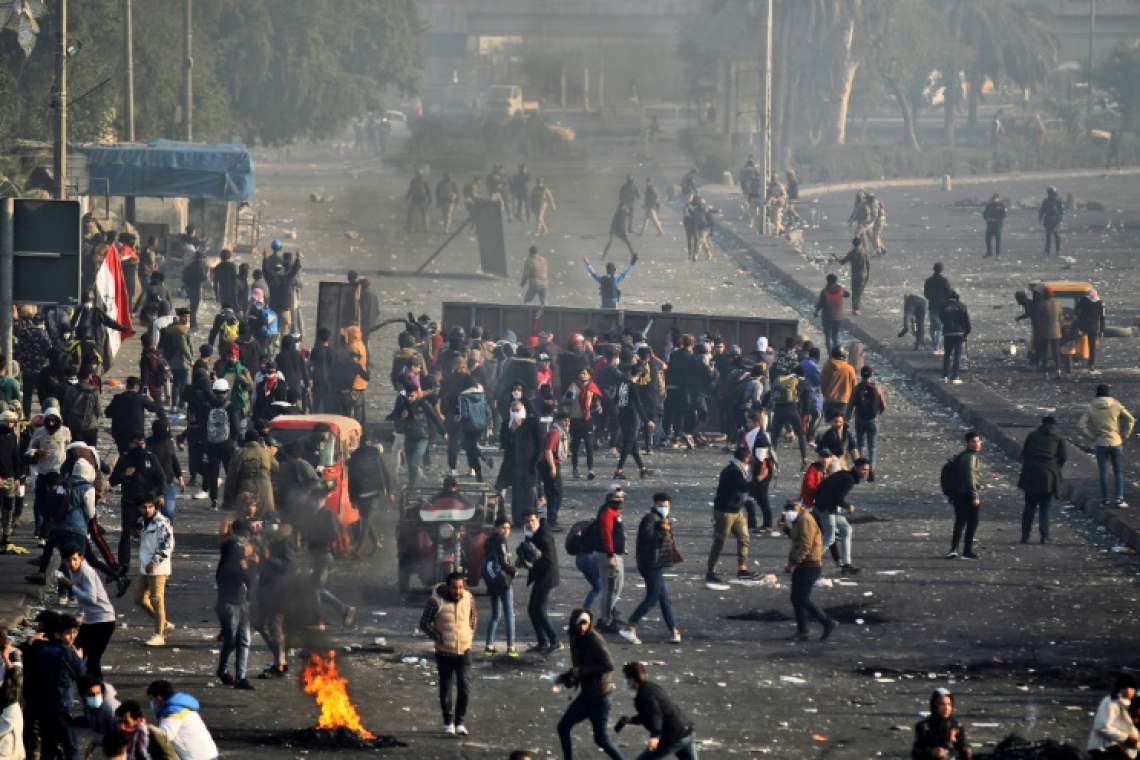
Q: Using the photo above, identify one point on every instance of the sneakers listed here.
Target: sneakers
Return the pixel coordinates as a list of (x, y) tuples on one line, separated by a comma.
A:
[(1121, 504), (225, 678), (123, 584), (156, 641), (675, 638), (200, 496), (970, 557), (169, 627), (945, 380), (536, 649), (38, 578), (512, 652), (939, 351), (557, 646), (849, 570), (590, 475), (577, 475), (747, 575), (952, 554), (956, 381), (798, 637), (244, 685), (489, 652), (630, 635), (349, 617), (460, 729), (449, 729), (829, 629), (713, 578), (620, 475), (645, 472)]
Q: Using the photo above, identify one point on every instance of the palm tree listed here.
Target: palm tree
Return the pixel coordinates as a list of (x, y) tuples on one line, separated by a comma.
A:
[(1001, 39)]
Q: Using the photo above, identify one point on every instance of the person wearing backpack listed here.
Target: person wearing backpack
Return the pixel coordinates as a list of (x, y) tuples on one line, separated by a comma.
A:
[(866, 407), (226, 329), (141, 478), (499, 572), (222, 430), (790, 399), (127, 411), (656, 553), (80, 405), (608, 282), (967, 471), (829, 307)]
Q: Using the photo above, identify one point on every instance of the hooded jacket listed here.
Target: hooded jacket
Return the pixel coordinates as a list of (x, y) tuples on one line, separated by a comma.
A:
[(837, 380), (355, 348), (830, 302), (1106, 421), (938, 733), (807, 542), (180, 721)]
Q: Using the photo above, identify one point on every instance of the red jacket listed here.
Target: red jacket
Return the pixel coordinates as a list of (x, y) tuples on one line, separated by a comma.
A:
[(611, 530), (813, 476)]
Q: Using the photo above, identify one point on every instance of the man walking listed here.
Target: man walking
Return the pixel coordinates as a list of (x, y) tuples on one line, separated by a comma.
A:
[(418, 199), (805, 564), (728, 515), (866, 408), (860, 264), (555, 450), (1089, 316), (1108, 424), (936, 289), (234, 576), (610, 556), (622, 218), (830, 306), (446, 198), (956, 330), (652, 203), (1042, 457), (628, 195), (141, 477), (967, 499), (837, 381), (1050, 214), (592, 665), (541, 199), (994, 213), (521, 192), (656, 552), (156, 547), (450, 620), (670, 732), (535, 276)]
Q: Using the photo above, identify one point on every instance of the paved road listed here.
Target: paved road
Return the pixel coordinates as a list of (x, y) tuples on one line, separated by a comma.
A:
[(1028, 638)]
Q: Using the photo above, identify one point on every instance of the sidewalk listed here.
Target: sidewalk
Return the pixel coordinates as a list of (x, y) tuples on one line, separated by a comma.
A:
[(996, 417)]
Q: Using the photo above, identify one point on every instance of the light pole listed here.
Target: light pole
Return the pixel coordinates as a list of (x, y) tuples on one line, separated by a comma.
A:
[(1092, 33), (767, 145), (129, 95), (60, 162), (188, 71)]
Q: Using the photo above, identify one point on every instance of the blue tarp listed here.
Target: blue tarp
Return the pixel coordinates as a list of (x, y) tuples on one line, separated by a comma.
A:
[(169, 169)]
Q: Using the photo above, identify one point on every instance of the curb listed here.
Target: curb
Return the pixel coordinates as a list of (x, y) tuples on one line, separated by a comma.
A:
[(986, 411)]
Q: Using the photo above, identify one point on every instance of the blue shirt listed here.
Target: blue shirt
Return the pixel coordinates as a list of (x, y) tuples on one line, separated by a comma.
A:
[(609, 303)]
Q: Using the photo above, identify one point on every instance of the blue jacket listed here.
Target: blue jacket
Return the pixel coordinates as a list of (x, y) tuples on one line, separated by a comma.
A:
[(58, 668), (177, 704)]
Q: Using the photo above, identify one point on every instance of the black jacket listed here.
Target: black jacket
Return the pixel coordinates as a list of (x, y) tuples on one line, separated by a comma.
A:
[(955, 319), (11, 463), (128, 414), (654, 544), (544, 574), (233, 575), (417, 416), (147, 481), (832, 493), (731, 489), (660, 715), (937, 291), (594, 663), (1042, 456), (367, 473)]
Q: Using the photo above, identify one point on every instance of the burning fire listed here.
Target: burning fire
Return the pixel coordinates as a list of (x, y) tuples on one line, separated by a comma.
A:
[(323, 680)]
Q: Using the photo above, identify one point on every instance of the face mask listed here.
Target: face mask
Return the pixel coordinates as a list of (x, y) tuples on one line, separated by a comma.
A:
[(95, 702), (528, 532), (518, 416), (73, 381), (791, 516), (516, 395), (663, 511)]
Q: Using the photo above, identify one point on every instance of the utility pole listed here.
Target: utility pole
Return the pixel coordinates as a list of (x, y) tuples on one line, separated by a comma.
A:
[(1092, 33), (129, 95), (767, 148), (7, 271), (188, 71), (61, 100)]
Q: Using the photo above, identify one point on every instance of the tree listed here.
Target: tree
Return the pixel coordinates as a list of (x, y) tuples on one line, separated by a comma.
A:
[(1119, 76)]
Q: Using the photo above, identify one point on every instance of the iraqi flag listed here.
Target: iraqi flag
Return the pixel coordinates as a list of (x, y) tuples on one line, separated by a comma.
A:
[(111, 289)]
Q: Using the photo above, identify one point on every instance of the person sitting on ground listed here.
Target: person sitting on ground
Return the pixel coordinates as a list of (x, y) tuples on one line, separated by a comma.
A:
[(941, 734)]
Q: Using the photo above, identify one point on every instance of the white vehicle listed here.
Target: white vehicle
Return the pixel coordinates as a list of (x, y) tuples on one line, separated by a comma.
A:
[(398, 122), (507, 100)]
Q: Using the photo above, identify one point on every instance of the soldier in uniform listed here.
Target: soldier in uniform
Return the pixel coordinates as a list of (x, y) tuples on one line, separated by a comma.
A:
[(750, 188), (878, 213), (994, 214), (418, 198), (776, 200), (446, 198), (1050, 214), (651, 200), (540, 199), (860, 264)]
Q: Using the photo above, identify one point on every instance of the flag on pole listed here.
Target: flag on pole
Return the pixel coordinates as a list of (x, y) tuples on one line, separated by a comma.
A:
[(111, 289)]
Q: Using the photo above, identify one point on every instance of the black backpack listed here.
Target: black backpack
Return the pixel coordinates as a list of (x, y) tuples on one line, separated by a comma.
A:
[(950, 479), (866, 401), (610, 291), (582, 537), (57, 496)]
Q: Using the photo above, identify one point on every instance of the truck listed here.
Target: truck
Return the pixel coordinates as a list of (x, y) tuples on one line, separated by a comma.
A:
[(506, 100)]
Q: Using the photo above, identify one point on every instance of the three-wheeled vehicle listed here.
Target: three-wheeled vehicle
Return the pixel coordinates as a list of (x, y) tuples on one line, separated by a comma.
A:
[(1074, 344), (442, 531), (332, 460)]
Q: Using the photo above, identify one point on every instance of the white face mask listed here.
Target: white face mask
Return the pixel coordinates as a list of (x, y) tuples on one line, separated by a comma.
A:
[(518, 416), (791, 516), (516, 395), (663, 511)]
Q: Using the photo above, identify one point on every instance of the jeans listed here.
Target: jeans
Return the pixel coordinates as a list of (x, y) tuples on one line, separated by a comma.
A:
[(788, 416), (803, 580), (867, 437), (1115, 455), (685, 749), (588, 566), (458, 667), (552, 487), (830, 334), (993, 236), (595, 709), (414, 450), (836, 525), (502, 606), (966, 515), (1053, 235), (194, 294), (1034, 503), (580, 436), (170, 501), (629, 431), (935, 328), (613, 579), (178, 381), (539, 611), (322, 560), (952, 359), (58, 739), (234, 619), (655, 593)]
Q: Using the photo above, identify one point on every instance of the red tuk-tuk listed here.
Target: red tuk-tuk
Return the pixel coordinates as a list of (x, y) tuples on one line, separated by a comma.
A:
[(333, 461)]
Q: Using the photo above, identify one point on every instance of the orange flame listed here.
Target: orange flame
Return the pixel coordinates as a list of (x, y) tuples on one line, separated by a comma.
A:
[(323, 680)]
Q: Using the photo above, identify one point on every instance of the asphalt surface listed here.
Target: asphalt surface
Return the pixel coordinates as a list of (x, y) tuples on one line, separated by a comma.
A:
[(1028, 639)]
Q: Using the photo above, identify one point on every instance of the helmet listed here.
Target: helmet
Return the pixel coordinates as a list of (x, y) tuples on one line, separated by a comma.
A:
[(221, 384), (276, 245), (1052, 191)]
